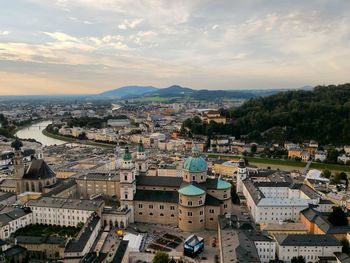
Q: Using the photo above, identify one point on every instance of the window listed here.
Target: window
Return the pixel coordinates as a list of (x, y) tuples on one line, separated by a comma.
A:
[(172, 215), (190, 222), (150, 206), (211, 211), (201, 212), (200, 202), (189, 202), (161, 207), (225, 195), (140, 205), (193, 178), (126, 196), (140, 213), (125, 177), (161, 214), (172, 207), (189, 213), (151, 214)]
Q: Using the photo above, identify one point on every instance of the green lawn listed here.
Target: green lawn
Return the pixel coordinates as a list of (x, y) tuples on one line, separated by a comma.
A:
[(155, 98), (320, 166), (46, 230)]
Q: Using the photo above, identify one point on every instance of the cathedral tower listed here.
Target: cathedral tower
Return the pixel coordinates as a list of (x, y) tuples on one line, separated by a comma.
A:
[(18, 164), (141, 164), (127, 183)]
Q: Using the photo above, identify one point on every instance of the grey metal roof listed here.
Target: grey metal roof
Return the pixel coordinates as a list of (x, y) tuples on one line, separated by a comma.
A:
[(5, 218), (99, 176), (40, 240), (119, 254), (78, 244), (306, 240), (212, 201), (56, 202), (157, 196), (38, 169), (142, 180)]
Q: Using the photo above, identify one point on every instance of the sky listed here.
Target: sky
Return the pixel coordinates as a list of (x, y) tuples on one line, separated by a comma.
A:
[(89, 46)]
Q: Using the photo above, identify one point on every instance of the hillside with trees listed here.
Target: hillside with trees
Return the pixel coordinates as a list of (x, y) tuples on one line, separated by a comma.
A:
[(322, 114)]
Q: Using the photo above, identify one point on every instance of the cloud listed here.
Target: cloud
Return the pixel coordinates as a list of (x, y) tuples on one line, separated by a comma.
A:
[(129, 24), (4, 33), (62, 36), (199, 43)]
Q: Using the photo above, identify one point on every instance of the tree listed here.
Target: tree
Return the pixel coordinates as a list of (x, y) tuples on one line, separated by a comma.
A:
[(346, 246), (338, 177), (338, 217), (326, 174), (299, 259), (332, 156), (161, 257), (253, 148)]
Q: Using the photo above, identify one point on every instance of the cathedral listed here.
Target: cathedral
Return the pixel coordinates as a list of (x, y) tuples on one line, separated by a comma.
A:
[(33, 178), (193, 202)]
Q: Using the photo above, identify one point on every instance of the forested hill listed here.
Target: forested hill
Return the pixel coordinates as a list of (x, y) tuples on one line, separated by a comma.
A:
[(322, 114)]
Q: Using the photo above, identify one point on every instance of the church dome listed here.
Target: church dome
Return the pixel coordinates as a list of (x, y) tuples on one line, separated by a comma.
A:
[(191, 190), (195, 163)]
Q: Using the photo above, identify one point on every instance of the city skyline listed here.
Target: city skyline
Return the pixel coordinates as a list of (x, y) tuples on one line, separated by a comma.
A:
[(85, 46)]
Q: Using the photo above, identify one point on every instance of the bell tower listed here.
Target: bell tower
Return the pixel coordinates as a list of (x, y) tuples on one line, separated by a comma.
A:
[(127, 183), (141, 164), (18, 164), (242, 175)]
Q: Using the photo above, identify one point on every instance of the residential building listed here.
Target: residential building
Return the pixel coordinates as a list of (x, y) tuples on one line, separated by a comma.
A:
[(62, 211), (12, 220), (240, 242), (310, 246)]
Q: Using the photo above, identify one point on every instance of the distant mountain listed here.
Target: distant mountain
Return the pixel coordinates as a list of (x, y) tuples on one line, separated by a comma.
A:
[(174, 90), (127, 91), (179, 91)]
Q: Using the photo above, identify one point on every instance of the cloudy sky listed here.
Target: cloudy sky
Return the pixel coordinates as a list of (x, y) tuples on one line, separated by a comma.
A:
[(88, 46)]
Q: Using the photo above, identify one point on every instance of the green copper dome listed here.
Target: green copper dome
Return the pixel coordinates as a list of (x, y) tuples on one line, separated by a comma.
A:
[(191, 190), (223, 184), (195, 164)]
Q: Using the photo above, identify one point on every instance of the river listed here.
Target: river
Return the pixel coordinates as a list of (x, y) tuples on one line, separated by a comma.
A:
[(34, 131)]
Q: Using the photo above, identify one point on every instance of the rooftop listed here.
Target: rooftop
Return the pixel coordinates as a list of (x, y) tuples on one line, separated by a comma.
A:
[(78, 244), (142, 180), (191, 190), (55, 202), (38, 169), (306, 240), (157, 196)]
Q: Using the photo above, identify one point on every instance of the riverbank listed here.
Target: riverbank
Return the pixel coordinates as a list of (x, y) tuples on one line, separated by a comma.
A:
[(26, 125), (73, 140), (286, 163)]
